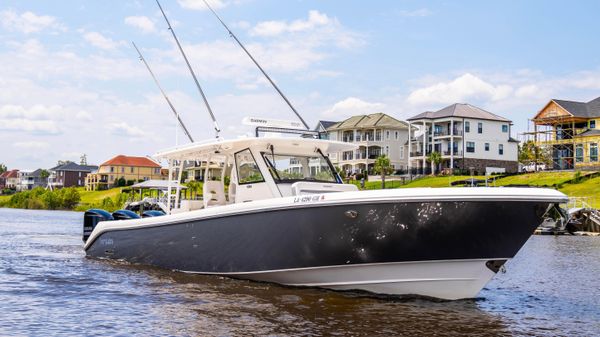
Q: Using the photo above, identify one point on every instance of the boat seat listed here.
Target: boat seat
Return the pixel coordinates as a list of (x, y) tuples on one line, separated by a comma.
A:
[(304, 188), (213, 193)]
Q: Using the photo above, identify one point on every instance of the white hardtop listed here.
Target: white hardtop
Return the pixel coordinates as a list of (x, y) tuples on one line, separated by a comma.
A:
[(217, 149)]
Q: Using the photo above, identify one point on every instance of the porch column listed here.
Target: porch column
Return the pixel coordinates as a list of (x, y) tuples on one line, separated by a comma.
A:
[(451, 143), (424, 146), (409, 145)]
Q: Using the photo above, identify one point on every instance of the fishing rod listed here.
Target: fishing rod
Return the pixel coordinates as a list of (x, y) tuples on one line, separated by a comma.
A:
[(216, 125), (187, 133), (258, 65)]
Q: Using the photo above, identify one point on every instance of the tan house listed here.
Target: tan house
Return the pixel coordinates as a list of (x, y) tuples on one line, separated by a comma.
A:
[(568, 132), (129, 168)]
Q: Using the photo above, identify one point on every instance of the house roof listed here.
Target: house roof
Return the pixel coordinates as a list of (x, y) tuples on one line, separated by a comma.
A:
[(460, 110), (122, 160), (379, 119), (70, 166), (10, 174), (325, 124), (581, 109)]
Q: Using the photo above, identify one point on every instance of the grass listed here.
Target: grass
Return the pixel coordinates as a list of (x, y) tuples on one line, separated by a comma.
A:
[(91, 197), (4, 198), (444, 181), (538, 179), (587, 188)]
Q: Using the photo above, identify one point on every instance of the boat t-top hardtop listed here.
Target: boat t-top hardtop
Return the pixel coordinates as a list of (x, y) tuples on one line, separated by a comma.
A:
[(288, 218)]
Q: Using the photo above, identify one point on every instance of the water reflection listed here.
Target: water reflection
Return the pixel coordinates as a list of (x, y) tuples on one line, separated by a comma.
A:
[(48, 287)]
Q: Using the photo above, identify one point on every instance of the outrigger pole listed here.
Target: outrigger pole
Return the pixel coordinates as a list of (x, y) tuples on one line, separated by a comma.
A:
[(258, 65), (187, 133), (216, 125)]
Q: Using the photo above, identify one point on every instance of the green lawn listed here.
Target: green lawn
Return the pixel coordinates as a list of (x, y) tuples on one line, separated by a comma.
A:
[(538, 179), (587, 188), (443, 181), (90, 197), (4, 198)]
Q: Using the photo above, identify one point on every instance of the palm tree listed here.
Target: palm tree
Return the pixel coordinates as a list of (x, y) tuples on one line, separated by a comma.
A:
[(382, 166), (435, 158)]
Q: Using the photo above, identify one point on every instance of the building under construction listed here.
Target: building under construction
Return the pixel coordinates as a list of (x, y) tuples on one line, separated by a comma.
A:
[(567, 132)]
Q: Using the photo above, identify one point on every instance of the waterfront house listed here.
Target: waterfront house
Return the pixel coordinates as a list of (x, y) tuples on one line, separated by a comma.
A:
[(375, 134), (131, 169), (321, 128), (29, 180), (9, 179), (467, 138), (69, 174), (569, 131)]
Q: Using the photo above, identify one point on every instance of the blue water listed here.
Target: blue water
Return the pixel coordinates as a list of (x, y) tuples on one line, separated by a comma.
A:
[(49, 288)]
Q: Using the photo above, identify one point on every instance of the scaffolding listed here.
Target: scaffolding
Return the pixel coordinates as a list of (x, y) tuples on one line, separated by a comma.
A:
[(556, 139)]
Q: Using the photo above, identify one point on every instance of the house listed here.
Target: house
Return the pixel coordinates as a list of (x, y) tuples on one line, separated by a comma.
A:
[(9, 179), (69, 174), (321, 128), (29, 180), (467, 138), (375, 134), (569, 132), (127, 167)]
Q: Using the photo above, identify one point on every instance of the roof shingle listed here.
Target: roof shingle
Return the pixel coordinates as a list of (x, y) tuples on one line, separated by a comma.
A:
[(460, 110), (122, 160)]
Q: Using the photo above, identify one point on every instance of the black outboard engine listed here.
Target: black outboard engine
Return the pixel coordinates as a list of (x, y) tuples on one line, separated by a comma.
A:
[(91, 219), (149, 214), (124, 214)]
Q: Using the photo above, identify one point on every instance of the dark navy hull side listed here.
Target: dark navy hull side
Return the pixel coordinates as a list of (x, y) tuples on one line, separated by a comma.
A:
[(329, 236)]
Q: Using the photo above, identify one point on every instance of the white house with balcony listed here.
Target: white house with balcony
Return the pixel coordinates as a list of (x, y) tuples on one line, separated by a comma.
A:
[(467, 137), (375, 134)]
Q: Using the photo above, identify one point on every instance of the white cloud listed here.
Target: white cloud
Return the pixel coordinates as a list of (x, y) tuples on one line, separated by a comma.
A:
[(100, 41), (422, 12), (31, 145), (33, 126), (272, 28), (461, 89), (142, 23), (124, 129), (352, 106), (199, 4), (29, 22)]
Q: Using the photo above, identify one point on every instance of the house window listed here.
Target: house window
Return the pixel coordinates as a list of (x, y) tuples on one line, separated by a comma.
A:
[(131, 169), (500, 149), (467, 127), (122, 170), (112, 169), (396, 135), (479, 127), (579, 153), (504, 128), (401, 152), (387, 135), (156, 171), (112, 177), (593, 151), (592, 124), (387, 150), (487, 146), (79, 174), (471, 147)]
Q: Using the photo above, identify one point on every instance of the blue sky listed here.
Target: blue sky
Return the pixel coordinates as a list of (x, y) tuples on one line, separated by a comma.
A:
[(71, 83)]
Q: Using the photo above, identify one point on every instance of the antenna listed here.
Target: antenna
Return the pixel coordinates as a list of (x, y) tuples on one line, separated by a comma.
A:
[(258, 65), (216, 125), (163, 93)]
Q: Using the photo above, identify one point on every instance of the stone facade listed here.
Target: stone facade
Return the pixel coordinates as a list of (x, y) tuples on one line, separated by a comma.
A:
[(479, 165)]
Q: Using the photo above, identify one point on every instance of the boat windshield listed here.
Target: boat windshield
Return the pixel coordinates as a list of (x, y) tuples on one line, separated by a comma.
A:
[(292, 168)]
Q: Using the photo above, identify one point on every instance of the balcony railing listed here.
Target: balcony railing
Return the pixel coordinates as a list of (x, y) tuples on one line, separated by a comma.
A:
[(446, 133), (455, 152)]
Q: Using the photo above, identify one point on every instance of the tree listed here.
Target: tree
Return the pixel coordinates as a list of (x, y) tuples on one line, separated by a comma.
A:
[(383, 167), (2, 168), (529, 153), (435, 158)]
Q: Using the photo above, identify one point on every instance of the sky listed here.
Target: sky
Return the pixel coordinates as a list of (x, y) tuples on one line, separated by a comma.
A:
[(71, 83)]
